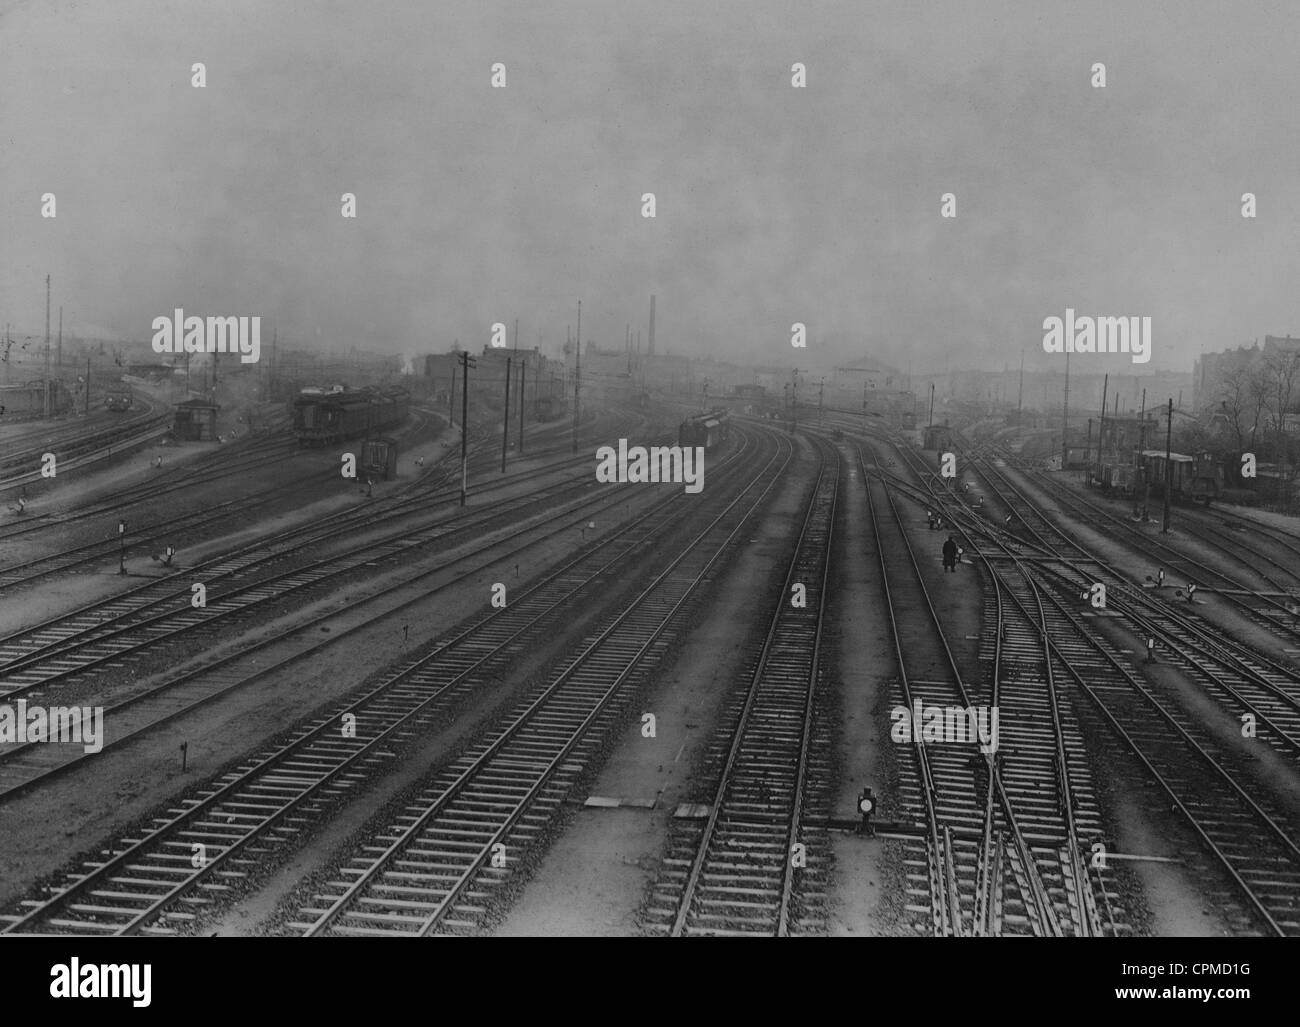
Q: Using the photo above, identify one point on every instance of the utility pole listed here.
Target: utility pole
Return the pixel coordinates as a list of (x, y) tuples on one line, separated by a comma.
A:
[(58, 353), (86, 412), (516, 333), (1020, 400), (1169, 464), (505, 424), (794, 400), (270, 366), (1101, 425), (864, 406), (47, 345), (1142, 445), (932, 404), (466, 362), (577, 383), (523, 367), (1065, 416), (451, 397), (821, 395)]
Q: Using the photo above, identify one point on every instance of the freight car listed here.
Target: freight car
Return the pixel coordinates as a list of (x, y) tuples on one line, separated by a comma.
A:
[(707, 430), (1198, 477), (322, 417)]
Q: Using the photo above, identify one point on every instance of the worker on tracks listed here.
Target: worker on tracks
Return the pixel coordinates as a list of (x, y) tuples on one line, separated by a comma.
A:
[(950, 555)]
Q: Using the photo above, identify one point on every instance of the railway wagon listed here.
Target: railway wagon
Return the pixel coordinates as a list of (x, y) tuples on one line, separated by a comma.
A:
[(707, 430), (1198, 477), (321, 418)]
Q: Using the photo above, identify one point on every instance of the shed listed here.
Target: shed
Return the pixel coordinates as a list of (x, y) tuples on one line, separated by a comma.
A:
[(379, 457), (196, 421)]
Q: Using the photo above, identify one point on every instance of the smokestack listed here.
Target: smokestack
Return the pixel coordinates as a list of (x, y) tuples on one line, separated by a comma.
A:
[(650, 348)]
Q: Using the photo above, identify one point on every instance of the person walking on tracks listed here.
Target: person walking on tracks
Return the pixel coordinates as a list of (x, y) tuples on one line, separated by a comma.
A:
[(950, 555)]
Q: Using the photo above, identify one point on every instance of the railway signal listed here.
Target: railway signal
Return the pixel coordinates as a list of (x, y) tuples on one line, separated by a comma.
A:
[(867, 808), (121, 556)]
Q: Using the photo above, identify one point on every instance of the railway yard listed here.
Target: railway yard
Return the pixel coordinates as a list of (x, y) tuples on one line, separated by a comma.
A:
[(573, 704)]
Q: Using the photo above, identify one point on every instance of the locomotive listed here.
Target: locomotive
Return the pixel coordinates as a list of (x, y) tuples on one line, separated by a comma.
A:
[(322, 417), (119, 398), (707, 430)]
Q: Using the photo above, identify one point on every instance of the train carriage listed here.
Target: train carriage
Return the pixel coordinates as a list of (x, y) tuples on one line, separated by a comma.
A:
[(324, 417)]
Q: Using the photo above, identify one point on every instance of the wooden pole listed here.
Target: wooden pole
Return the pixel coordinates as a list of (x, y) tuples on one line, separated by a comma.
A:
[(505, 423)]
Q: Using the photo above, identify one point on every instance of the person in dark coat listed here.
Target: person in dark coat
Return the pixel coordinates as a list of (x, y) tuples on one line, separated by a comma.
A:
[(950, 555)]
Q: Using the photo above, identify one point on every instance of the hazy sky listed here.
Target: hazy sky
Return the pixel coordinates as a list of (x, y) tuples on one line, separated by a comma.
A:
[(775, 204)]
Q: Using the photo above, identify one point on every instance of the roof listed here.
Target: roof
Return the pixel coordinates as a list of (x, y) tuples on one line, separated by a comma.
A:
[(1178, 458), (196, 404)]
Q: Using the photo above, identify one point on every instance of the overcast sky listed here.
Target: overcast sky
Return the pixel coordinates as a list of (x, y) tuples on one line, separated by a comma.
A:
[(775, 204)]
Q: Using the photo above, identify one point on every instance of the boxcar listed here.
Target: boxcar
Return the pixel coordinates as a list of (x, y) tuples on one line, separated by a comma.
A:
[(322, 418)]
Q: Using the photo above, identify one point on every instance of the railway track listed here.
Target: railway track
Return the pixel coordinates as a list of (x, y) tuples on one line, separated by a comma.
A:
[(172, 528), (753, 865), (101, 634), (269, 799), (1278, 612), (1248, 840), (441, 861), (1001, 851), (82, 448)]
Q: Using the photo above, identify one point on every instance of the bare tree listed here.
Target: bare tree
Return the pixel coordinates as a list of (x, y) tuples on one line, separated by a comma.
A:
[(1282, 372), (1244, 397)]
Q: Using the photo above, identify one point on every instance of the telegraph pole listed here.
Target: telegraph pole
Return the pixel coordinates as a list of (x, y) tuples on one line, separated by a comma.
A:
[(1020, 400), (1065, 416), (47, 345), (794, 400), (821, 395), (270, 364), (1142, 445), (466, 362), (58, 353), (523, 368), (864, 406), (451, 398), (1101, 425), (932, 404), (577, 382), (505, 424), (1169, 464)]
